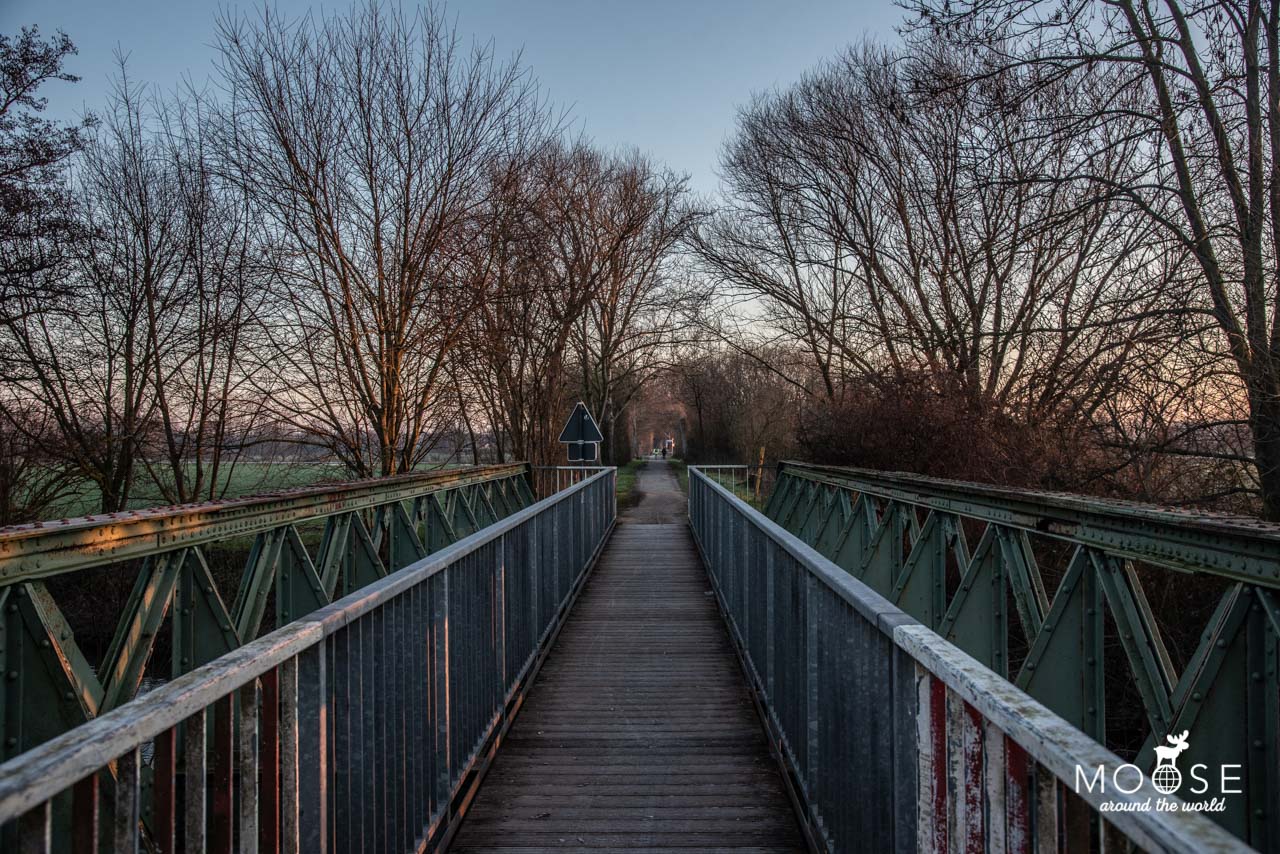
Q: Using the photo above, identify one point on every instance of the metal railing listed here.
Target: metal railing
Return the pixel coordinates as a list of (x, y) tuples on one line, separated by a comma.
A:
[(893, 738), (204, 580), (365, 724), (548, 480), (1134, 623), (745, 481)]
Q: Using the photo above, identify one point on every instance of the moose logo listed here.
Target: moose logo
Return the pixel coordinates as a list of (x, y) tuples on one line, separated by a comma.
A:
[(1128, 779), (1166, 777)]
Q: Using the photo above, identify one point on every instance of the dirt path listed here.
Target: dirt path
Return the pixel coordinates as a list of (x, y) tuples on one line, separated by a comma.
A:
[(661, 501)]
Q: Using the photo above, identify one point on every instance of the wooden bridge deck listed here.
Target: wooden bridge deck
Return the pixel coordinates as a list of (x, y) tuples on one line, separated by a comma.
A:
[(639, 733)]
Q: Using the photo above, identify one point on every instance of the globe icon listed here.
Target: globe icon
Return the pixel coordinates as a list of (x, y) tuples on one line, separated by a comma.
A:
[(1166, 779)]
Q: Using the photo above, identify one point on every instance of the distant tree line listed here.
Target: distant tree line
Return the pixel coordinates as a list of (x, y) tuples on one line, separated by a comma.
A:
[(1034, 244), (365, 237)]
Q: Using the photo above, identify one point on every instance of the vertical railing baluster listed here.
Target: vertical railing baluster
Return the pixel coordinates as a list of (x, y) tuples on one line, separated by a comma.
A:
[(220, 819), (1017, 798), (289, 839), (195, 777), (994, 785), (368, 764), (35, 829), (311, 764), (164, 791), (85, 816), (1046, 841), (269, 760), (128, 789), (249, 755)]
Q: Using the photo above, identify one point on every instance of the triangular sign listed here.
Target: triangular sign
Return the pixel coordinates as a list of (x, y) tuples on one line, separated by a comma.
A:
[(581, 427)]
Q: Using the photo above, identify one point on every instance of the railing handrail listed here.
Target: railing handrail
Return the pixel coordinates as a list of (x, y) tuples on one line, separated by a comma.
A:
[(571, 468), (48, 769), (1237, 547), (41, 549), (1045, 736)]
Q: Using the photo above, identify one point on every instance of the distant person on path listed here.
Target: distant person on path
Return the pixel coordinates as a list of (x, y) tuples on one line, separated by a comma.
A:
[(664, 452)]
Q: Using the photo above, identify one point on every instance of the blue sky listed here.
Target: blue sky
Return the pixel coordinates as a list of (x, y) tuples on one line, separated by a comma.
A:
[(663, 76)]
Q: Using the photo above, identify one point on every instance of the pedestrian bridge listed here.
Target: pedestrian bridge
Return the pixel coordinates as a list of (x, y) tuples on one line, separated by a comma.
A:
[(466, 666)]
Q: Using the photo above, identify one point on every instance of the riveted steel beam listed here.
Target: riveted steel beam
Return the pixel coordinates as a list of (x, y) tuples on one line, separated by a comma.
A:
[(1234, 547), (43, 549), (53, 687)]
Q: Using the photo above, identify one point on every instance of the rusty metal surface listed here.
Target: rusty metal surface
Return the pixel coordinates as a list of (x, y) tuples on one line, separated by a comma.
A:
[(42, 549)]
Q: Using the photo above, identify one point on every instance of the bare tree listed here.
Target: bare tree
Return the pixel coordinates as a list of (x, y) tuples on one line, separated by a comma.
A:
[(564, 242), (35, 207), (35, 476), (88, 354), (636, 317), (881, 227), (205, 412), (1197, 83), (367, 139)]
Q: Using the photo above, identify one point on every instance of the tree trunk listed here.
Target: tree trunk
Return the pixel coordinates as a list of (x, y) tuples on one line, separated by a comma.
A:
[(1264, 423)]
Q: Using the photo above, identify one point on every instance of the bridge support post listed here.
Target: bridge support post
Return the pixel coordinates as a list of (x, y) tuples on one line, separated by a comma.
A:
[(311, 729), (906, 752)]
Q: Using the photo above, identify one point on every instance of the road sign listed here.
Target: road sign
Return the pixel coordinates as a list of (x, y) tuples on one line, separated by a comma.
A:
[(581, 435)]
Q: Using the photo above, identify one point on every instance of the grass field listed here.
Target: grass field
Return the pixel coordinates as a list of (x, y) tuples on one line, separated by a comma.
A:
[(626, 488), (246, 478), (682, 474), (256, 478), (738, 486)]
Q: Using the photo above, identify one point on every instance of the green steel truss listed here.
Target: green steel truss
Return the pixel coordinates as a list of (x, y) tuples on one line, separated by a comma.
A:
[(905, 537), (371, 528)]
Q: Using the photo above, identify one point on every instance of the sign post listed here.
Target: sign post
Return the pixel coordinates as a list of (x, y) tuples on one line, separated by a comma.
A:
[(581, 436)]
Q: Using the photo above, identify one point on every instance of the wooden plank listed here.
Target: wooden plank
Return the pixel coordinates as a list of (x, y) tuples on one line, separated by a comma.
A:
[(639, 734)]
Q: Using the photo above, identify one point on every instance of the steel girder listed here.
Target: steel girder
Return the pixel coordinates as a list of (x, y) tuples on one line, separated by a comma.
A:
[(371, 528), (870, 524)]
